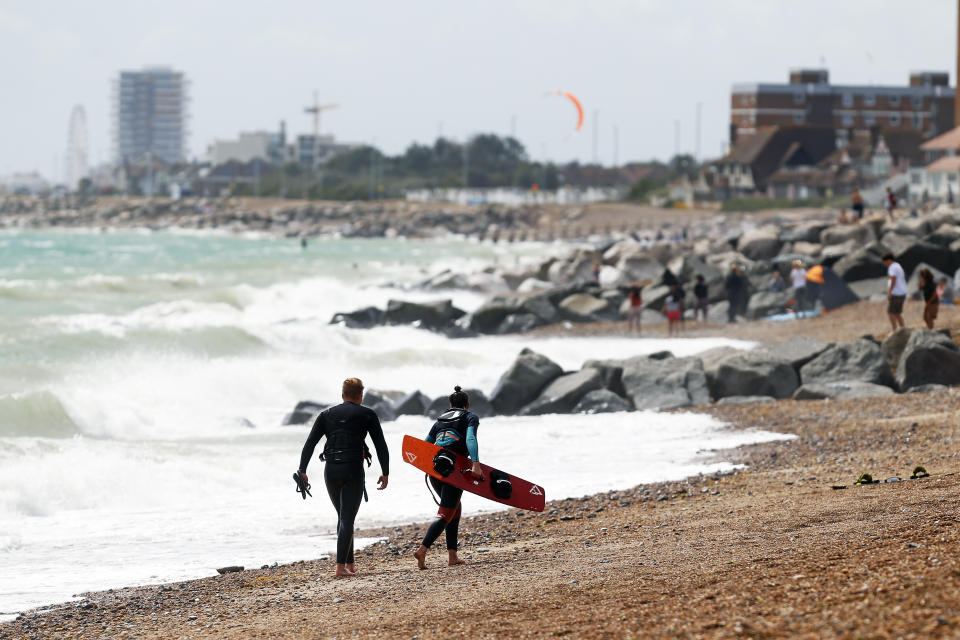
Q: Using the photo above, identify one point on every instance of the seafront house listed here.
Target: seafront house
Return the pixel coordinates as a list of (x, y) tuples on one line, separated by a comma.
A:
[(939, 181)]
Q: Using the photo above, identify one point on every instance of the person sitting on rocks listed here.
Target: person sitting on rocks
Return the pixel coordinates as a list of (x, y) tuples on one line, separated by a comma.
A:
[(777, 283)]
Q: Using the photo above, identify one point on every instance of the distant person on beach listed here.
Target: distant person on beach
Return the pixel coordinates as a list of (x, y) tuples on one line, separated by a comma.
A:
[(896, 291), (945, 291), (842, 218), (345, 427), (931, 302), (636, 310), (736, 287), (702, 294), (777, 283), (455, 429), (303, 242), (672, 306), (856, 203), (798, 279), (595, 272), (891, 203)]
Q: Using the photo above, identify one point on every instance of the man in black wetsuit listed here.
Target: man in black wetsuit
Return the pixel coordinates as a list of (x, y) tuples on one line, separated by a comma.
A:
[(455, 429), (346, 427)]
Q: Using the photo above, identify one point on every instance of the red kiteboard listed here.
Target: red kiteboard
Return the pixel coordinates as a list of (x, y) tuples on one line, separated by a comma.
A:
[(525, 495)]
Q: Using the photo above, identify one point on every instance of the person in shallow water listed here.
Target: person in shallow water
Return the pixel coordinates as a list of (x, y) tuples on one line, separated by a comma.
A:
[(455, 429), (345, 427)]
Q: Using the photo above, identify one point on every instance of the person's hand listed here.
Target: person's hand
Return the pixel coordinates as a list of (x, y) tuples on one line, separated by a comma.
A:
[(303, 475), (476, 471), (381, 483)]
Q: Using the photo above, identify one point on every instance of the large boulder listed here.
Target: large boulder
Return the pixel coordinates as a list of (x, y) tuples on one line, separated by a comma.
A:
[(654, 297), (944, 235), (841, 389), (765, 303), (862, 263), (360, 319), (540, 306), (381, 405), (412, 404), (897, 243), (304, 413), (523, 382), (797, 351), (611, 372), (929, 357), (859, 234), (601, 401), (759, 244), (871, 289), (804, 232), (860, 359), (753, 373), (916, 227), (563, 394), (893, 345), (935, 255), (582, 307), (490, 315), (430, 315), (665, 384), (577, 268), (518, 323)]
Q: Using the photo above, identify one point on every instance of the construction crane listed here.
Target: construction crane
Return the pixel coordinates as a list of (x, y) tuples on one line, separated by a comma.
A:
[(316, 109)]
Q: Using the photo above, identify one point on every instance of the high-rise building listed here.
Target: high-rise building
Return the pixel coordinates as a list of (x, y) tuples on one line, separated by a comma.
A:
[(150, 115), (77, 148)]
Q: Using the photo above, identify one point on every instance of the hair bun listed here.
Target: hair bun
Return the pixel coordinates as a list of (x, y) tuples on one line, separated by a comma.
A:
[(457, 389)]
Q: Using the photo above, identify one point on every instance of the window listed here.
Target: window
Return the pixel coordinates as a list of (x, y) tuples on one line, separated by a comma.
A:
[(798, 98), (895, 119), (848, 99), (869, 99), (917, 102), (848, 120), (952, 177), (917, 121), (798, 118), (869, 119), (894, 101)]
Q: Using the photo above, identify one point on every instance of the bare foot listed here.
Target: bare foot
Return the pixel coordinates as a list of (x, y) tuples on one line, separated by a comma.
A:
[(453, 560), (343, 572), (421, 556), (352, 568)]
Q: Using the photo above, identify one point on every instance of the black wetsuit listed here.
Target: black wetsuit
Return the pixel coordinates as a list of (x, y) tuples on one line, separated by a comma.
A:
[(464, 442), (346, 427)]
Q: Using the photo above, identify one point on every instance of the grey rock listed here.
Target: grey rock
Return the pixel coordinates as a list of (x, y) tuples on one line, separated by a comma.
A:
[(413, 404), (381, 404), (939, 257), (929, 357), (523, 382), (490, 315), (804, 232), (798, 351), (665, 384), (563, 394), (611, 372), (753, 373), (540, 306), (759, 244), (765, 303), (841, 389), (945, 235), (927, 388), (862, 263), (360, 319), (654, 297), (916, 227), (860, 359), (736, 400), (432, 315), (859, 234), (893, 345), (230, 569), (871, 288), (303, 413), (896, 242), (601, 401), (581, 307), (518, 323)]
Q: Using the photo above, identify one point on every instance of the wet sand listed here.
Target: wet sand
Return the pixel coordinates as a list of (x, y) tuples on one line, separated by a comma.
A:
[(772, 550)]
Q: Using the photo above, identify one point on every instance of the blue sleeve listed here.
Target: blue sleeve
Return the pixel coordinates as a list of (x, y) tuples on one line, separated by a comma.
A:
[(472, 448), (432, 436)]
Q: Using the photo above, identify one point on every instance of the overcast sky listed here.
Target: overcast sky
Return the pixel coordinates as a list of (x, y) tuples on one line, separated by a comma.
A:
[(404, 71)]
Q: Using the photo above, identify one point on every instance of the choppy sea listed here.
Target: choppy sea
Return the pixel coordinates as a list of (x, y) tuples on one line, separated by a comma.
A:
[(144, 377)]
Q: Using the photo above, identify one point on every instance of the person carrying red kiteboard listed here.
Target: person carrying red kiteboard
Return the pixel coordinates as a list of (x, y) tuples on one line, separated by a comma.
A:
[(455, 429)]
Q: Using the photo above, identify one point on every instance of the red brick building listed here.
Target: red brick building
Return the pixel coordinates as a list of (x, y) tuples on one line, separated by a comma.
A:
[(926, 105)]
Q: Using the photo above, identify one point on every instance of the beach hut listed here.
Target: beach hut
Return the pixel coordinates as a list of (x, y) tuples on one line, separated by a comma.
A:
[(825, 284)]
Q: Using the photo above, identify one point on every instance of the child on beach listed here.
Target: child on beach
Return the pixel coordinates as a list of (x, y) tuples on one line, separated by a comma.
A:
[(672, 307), (636, 309), (931, 301)]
